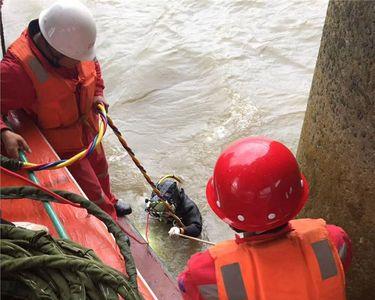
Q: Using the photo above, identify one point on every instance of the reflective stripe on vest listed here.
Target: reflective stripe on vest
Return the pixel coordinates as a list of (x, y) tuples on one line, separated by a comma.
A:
[(302, 265), (208, 291), (325, 259), (233, 282), (38, 69), (343, 251)]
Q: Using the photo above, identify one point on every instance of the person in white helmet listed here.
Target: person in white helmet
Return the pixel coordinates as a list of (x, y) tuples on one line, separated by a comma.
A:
[(51, 72)]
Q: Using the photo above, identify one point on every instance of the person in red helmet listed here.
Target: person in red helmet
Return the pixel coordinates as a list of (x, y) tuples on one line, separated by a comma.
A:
[(257, 188), (52, 73)]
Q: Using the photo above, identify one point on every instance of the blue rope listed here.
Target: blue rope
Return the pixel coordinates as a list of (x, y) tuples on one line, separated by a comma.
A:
[(52, 164)]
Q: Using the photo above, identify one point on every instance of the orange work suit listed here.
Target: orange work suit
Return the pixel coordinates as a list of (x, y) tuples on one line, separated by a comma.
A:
[(303, 263), (63, 108)]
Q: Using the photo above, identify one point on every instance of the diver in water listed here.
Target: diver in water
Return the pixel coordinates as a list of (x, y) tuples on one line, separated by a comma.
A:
[(181, 204)]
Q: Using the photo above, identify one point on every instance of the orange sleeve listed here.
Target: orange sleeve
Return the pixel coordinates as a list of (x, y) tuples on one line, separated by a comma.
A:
[(200, 270), (17, 90), (343, 244)]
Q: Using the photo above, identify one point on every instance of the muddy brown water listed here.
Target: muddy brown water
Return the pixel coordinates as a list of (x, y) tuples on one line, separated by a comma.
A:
[(184, 78)]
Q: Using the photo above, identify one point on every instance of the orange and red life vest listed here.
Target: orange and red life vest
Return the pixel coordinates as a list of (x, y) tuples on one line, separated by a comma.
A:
[(303, 265), (61, 117)]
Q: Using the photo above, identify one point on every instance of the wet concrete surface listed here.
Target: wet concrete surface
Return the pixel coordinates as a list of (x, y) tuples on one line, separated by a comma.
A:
[(337, 146)]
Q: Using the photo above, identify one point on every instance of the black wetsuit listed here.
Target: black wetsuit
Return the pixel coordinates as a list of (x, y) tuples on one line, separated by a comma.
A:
[(186, 209), (190, 215)]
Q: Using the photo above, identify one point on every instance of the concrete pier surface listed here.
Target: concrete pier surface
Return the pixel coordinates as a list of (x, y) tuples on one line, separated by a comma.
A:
[(337, 145)]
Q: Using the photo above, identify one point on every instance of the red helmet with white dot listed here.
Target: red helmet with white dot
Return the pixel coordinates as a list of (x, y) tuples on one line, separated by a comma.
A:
[(256, 185)]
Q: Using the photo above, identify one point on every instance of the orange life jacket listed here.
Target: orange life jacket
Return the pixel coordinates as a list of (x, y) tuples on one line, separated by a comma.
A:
[(303, 265), (59, 114)]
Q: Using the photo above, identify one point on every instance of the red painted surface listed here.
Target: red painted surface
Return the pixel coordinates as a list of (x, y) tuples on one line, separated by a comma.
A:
[(81, 227)]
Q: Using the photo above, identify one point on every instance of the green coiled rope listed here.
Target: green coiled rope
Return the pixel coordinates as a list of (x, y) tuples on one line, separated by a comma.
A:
[(36, 265)]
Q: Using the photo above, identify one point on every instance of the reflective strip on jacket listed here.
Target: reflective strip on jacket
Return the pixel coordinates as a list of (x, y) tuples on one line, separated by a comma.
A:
[(59, 114), (302, 265)]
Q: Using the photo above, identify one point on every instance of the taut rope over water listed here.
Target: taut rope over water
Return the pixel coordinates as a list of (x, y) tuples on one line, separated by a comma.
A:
[(142, 169)]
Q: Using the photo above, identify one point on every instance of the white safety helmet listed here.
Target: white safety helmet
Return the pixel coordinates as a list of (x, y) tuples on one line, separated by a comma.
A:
[(69, 27)]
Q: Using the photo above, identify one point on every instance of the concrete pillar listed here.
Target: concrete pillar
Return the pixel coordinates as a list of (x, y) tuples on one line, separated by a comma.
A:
[(337, 145)]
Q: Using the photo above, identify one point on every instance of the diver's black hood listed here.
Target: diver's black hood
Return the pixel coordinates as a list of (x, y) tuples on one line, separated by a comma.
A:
[(170, 191)]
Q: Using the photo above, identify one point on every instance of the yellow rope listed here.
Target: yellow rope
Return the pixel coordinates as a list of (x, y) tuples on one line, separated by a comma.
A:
[(178, 179), (81, 154)]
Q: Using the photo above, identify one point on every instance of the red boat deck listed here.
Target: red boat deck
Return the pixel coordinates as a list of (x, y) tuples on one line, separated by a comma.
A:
[(81, 227)]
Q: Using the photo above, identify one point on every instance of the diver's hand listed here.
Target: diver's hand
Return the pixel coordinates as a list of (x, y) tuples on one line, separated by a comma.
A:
[(13, 142), (174, 232)]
